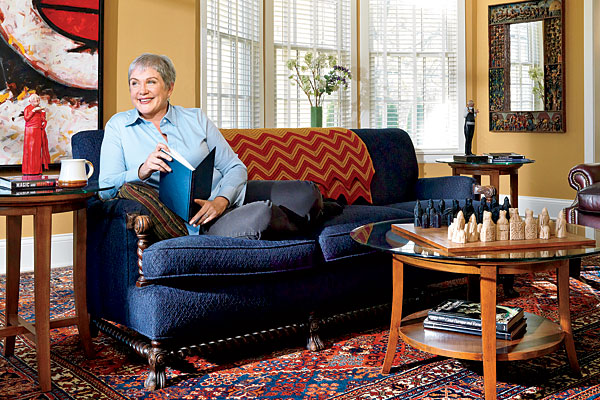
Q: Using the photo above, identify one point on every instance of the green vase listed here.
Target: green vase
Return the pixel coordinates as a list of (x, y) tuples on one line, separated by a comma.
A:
[(316, 117)]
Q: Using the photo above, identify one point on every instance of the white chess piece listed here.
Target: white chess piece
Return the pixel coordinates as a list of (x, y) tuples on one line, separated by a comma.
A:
[(561, 225), (531, 229), (502, 227)]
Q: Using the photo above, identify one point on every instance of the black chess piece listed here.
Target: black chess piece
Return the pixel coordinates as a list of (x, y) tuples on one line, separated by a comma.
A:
[(448, 217), (441, 207), (418, 212), (425, 220), (483, 206), (495, 209), (455, 208), (506, 207), (435, 221), (430, 203), (468, 209)]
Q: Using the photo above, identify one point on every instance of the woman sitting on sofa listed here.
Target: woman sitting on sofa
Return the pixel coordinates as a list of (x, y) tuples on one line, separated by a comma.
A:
[(132, 158)]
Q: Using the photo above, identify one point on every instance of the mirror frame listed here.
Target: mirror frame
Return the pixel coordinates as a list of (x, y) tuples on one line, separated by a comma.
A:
[(500, 17)]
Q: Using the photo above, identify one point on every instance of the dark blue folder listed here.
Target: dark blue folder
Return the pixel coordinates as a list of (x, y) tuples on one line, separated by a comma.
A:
[(178, 188)]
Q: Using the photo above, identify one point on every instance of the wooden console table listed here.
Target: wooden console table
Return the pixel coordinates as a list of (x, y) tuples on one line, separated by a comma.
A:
[(493, 170), (42, 205)]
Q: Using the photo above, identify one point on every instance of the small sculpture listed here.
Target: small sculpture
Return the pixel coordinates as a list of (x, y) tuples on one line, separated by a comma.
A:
[(531, 229), (468, 208), (543, 219), (506, 207), (517, 226), (418, 212), (561, 225), (425, 220), (441, 207), (545, 232), (471, 229), (502, 227), (458, 229), (470, 115), (488, 228), (35, 143), (435, 220), (495, 209)]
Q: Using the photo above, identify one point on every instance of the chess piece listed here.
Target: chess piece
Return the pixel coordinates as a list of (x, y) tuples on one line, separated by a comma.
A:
[(418, 212), (488, 228), (517, 226), (561, 225), (543, 220), (495, 209), (502, 227), (425, 220), (459, 226), (435, 221), (441, 207), (531, 231), (471, 229), (483, 206), (506, 207), (545, 232), (468, 208)]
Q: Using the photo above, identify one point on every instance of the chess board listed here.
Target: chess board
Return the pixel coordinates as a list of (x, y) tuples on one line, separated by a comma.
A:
[(438, 238)]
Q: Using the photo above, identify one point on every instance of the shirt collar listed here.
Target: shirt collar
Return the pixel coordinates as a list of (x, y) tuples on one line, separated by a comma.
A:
[(133, 116)]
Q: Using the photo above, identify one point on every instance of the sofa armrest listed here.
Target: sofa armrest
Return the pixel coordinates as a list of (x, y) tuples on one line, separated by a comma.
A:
[(584, 175), (445, 187), (111, 256)]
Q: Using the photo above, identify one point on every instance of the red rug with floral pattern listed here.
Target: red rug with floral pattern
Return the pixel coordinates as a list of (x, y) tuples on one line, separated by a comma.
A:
[(347, 369)]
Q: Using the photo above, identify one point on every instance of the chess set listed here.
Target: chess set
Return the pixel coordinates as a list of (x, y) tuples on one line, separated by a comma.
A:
[(486, 226)]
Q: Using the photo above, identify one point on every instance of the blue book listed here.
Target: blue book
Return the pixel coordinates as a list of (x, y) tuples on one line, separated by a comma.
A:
[(178, 188)]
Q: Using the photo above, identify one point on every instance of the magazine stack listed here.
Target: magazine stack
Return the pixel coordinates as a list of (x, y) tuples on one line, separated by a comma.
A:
[(465, 317)]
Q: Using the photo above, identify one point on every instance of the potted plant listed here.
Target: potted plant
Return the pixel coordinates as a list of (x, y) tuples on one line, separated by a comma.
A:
[(317, 74)]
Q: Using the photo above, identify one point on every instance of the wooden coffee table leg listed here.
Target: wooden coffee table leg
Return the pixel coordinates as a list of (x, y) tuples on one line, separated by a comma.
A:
[(398, 278), (79, 280), (42, 243), (564, 312), (13, 269), (488, 329)]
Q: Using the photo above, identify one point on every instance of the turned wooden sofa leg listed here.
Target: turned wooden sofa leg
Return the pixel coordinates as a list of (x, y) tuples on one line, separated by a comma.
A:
[(157, 363), (314, 342)]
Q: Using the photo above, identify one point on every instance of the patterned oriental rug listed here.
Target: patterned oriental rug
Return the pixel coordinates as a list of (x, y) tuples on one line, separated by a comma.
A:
[(348, 369)]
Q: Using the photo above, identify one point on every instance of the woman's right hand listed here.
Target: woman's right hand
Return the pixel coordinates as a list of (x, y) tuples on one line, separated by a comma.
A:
[(155, 162)]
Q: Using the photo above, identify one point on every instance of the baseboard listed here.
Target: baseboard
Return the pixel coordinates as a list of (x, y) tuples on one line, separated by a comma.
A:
[(61, 252), (536, 204)]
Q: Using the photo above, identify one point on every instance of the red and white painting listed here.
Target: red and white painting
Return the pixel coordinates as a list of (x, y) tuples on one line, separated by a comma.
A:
[(51, 48)]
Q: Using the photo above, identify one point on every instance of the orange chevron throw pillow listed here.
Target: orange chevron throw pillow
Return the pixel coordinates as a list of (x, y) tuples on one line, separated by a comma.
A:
[(334, 158)]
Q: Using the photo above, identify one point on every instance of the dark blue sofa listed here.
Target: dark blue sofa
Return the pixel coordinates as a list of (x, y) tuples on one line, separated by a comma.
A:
[(203, 288)]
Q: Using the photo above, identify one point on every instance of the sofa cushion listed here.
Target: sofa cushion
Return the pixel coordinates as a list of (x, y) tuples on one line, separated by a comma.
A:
[(334, 238), (205, 255), (588, 198)]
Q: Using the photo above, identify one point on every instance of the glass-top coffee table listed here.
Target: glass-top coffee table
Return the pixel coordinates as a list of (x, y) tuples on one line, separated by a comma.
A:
[(423, 249)]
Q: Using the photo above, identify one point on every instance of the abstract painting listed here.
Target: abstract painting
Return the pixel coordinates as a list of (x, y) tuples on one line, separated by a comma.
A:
[(52, 48)]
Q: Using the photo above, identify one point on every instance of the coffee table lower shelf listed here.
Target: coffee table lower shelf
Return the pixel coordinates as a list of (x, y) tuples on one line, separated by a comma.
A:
[(541, 337)]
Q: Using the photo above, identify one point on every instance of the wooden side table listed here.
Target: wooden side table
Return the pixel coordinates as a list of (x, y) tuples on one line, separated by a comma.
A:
[(42, 206), (493, 170)]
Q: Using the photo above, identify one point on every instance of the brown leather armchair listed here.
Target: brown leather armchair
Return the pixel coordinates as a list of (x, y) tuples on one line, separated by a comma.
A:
[(585, 210)]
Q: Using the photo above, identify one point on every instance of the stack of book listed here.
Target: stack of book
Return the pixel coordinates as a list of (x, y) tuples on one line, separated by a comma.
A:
[(28, 182), (465, 317), (507, 157)]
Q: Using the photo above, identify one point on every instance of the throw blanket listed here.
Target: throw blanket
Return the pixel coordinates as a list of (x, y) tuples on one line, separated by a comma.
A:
[(334, 158)]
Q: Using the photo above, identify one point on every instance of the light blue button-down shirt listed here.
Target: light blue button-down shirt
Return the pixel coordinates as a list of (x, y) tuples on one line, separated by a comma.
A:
[(129, 139)]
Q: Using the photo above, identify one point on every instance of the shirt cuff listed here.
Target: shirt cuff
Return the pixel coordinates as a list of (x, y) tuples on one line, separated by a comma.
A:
[(132, 176), (228, 192)]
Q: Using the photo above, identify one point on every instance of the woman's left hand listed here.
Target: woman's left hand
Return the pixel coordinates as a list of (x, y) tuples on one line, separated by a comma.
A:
[(209, 210)]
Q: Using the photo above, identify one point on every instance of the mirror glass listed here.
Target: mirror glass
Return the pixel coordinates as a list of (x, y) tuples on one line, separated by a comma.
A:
[(527, 66)]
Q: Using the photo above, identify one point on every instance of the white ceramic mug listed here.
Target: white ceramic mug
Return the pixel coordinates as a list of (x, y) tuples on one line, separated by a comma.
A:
[(72, 172)]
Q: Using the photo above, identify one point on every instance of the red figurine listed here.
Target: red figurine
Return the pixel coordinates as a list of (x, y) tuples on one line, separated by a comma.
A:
[(35, 146)]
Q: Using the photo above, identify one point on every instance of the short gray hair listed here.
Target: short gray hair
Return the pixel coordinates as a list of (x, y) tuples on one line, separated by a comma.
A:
[(162, 64)]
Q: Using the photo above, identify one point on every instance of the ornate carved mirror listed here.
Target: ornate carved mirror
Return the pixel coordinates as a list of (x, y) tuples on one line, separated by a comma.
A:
[(526, 66)]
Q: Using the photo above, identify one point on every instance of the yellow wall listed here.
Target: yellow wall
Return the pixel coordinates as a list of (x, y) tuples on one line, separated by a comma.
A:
[(171, 27), (555, 153)]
